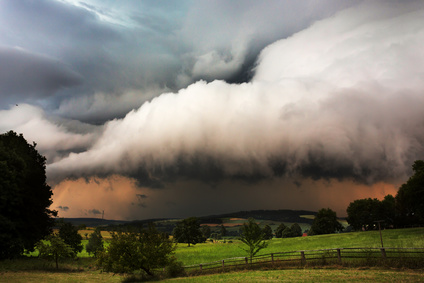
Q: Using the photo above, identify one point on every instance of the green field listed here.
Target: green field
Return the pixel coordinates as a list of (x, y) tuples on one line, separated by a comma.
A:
[(207, 252), (83, 269)]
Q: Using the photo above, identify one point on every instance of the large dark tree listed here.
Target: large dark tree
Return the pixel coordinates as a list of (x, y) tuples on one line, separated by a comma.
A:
[(25, 197), (410, 197), (325, 222), (363, 214), (188, 231)]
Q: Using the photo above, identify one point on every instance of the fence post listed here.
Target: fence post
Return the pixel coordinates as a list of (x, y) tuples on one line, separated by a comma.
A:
[(200, 267), (272, 258), (383, 252), (339, 256), (302, 257), (223, 264), (246, 260)]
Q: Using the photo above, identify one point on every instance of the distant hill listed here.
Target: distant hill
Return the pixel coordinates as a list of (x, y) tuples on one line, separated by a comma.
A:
[(93, 222), (302, 217), (281, 215)]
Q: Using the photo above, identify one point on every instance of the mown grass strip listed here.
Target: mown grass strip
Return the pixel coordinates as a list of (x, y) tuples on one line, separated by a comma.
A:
[(332, 274)]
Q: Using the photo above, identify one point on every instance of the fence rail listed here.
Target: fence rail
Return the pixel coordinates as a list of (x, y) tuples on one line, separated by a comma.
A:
[(322, 256)]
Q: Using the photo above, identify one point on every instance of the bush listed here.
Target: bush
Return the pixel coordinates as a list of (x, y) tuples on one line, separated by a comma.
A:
[(174, 269), (144, 250), (95, 243)]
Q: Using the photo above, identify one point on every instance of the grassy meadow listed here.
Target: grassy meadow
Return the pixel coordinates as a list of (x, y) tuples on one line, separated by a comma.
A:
[(208, 252), (83, 269)]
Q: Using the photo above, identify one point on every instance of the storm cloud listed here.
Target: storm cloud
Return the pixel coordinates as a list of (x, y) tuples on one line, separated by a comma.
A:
[(111, 58), (144, 104), (341, 99)]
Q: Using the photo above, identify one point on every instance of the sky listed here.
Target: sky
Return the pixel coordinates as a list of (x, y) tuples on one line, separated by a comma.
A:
[(151, 109)]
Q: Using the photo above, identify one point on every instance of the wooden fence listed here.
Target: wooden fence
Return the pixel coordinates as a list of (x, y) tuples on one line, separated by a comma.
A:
[(368, 256)]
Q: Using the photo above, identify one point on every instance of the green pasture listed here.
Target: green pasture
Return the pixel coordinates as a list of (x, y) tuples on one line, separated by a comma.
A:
[(394, 238), (83, 269)]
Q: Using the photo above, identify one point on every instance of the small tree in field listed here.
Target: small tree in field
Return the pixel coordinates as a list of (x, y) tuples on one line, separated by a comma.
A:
[(69, 233), (253, 236), (188, 231), (279, 230), (206, 231), (223, 231), (296, 230), (267, 232), (54, 248), (95, 243), (325, 222)]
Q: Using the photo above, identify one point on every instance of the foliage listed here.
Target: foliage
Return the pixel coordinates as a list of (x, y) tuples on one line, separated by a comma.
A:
[(206, 231), (253, 236), (174, 269), (188, 231), (54, 248), (267, 232), (363, 213), (296, 230), (216, 236), (223, 231), (130, 251), (279, 230), (410, 197), (25, 197), (69, 233), (95, 243), (287, 233), (325, 222)]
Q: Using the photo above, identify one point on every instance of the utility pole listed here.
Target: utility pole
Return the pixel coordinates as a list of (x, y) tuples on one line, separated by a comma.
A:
[(103, 215), (379, 229)]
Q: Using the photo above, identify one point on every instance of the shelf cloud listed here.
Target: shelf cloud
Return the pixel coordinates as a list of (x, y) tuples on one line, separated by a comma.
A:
[(157, 109)]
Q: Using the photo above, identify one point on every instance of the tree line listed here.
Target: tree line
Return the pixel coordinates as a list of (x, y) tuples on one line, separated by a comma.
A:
[(406, 209)]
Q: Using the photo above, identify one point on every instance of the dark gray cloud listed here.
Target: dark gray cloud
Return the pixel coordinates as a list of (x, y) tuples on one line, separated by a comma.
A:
[(29, 76), (63, 208), (94, 211)]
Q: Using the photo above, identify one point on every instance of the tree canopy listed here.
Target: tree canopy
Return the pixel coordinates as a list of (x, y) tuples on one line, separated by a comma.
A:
[(69, 233), (363, 213), (95, 243), (188, 231), (410, 197), (267, 232), (54, 248), (144, 250), (279, 230), (325, 222), (25, 217)]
